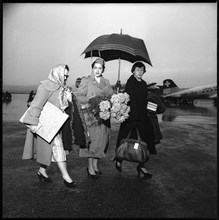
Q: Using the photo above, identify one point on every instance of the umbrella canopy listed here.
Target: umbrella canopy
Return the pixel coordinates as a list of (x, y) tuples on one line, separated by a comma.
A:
[(118, 46)]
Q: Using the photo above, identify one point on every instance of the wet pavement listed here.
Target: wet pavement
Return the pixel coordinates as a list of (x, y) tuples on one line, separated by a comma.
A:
[(184, 183)]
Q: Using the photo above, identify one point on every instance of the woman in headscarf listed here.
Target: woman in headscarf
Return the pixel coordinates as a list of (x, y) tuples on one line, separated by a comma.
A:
[(90, 87), (55, 91)]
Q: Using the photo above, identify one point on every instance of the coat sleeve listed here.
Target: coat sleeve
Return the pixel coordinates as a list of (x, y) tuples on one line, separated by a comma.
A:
[(33, 113), (134, 114), (81, 93)]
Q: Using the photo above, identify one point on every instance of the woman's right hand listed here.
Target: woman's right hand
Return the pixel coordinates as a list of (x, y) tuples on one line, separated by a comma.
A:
[(92, 97), (84, 106), (35, 128)]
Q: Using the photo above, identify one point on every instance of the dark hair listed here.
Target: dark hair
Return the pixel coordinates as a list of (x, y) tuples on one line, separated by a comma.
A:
[(66, 67), (92, 66), (139, 65)]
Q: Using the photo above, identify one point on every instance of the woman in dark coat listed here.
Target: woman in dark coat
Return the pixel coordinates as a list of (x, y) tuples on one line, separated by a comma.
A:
[(137, 89)]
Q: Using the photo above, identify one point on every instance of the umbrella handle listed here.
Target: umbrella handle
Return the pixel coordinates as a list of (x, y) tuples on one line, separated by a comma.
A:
[(119, 70)]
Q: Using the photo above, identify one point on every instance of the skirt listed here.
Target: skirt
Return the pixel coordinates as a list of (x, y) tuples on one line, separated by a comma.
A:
[(100, 137), (58, 152)]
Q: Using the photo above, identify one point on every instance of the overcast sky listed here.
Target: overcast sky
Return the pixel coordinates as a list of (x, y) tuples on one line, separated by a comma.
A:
[(181, 39)]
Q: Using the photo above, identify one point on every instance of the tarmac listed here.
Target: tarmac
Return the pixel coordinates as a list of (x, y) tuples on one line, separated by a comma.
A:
[(184, 183)]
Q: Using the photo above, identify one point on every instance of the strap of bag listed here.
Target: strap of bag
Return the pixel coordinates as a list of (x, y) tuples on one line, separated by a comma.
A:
[(138, 135)]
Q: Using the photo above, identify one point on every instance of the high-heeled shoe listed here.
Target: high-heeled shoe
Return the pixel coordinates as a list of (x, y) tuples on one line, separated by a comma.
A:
[(69, 185), (119, 168), (98, 172), (42, 177), (147, 175), (94, 176)]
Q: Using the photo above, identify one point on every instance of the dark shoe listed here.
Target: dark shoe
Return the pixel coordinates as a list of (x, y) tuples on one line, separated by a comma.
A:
[(42, 177), (147, 175), (94, 176), (69, 185), (119, 168), (98, 172)]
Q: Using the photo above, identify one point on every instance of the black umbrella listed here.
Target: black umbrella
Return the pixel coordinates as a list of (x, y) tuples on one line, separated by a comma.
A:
[(118, 46)]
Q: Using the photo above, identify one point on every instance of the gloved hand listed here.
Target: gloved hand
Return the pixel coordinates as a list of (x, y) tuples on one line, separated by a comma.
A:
[(34, 128), (91, 97)]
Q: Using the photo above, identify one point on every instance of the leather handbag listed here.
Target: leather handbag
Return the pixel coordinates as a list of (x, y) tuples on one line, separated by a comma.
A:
[(134, 150)]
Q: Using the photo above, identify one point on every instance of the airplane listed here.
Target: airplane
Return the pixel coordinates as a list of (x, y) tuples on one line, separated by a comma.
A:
[(171, 92)]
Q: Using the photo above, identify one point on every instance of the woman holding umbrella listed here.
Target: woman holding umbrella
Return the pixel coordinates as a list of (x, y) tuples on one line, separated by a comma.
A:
[(139, 118), (90, 87)]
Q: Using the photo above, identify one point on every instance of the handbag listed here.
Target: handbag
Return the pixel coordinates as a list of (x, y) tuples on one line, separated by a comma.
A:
[(132, 150)]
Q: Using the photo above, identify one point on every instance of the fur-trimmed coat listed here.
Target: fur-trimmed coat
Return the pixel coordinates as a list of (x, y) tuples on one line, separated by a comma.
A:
[(74, 130)]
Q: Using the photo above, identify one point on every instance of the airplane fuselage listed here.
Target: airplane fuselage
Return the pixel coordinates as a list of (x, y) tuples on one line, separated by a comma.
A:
[(199, 92)]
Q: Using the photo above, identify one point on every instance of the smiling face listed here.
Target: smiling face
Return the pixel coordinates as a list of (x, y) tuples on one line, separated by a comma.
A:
[(97, 69)]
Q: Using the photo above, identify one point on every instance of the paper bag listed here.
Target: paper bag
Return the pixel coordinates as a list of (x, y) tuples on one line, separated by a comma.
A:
[(50, 121)]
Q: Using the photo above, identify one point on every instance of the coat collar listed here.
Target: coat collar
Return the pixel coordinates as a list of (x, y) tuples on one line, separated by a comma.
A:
[(50, 85), (139, 85), (100, 85)]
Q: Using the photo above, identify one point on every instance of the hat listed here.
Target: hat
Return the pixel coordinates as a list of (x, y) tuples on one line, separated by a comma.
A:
[(100, 60)]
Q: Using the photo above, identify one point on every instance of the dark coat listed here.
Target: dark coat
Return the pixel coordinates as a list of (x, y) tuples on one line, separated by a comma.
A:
[(153, 116), (138, 114), (161, 108), (74, 131)]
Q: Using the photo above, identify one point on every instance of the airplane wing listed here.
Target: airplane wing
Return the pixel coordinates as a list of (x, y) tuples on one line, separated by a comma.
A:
[(174, 95)]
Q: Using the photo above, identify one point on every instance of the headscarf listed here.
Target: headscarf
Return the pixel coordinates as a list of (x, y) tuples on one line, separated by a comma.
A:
[(57, 75)]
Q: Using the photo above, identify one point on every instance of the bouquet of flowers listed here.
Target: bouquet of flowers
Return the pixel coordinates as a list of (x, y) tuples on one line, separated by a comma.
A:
[(96, 111), (101, 108), (119, 109)]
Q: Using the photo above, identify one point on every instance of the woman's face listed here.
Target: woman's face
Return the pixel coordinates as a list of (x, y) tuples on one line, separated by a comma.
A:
[(97, 69), (138, 72), (65, 75)]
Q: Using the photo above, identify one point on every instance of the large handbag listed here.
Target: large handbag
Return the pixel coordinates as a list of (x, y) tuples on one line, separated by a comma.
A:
[(132, 150)]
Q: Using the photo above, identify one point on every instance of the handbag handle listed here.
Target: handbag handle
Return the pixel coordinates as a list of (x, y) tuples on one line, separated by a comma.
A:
[(138, 135)]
